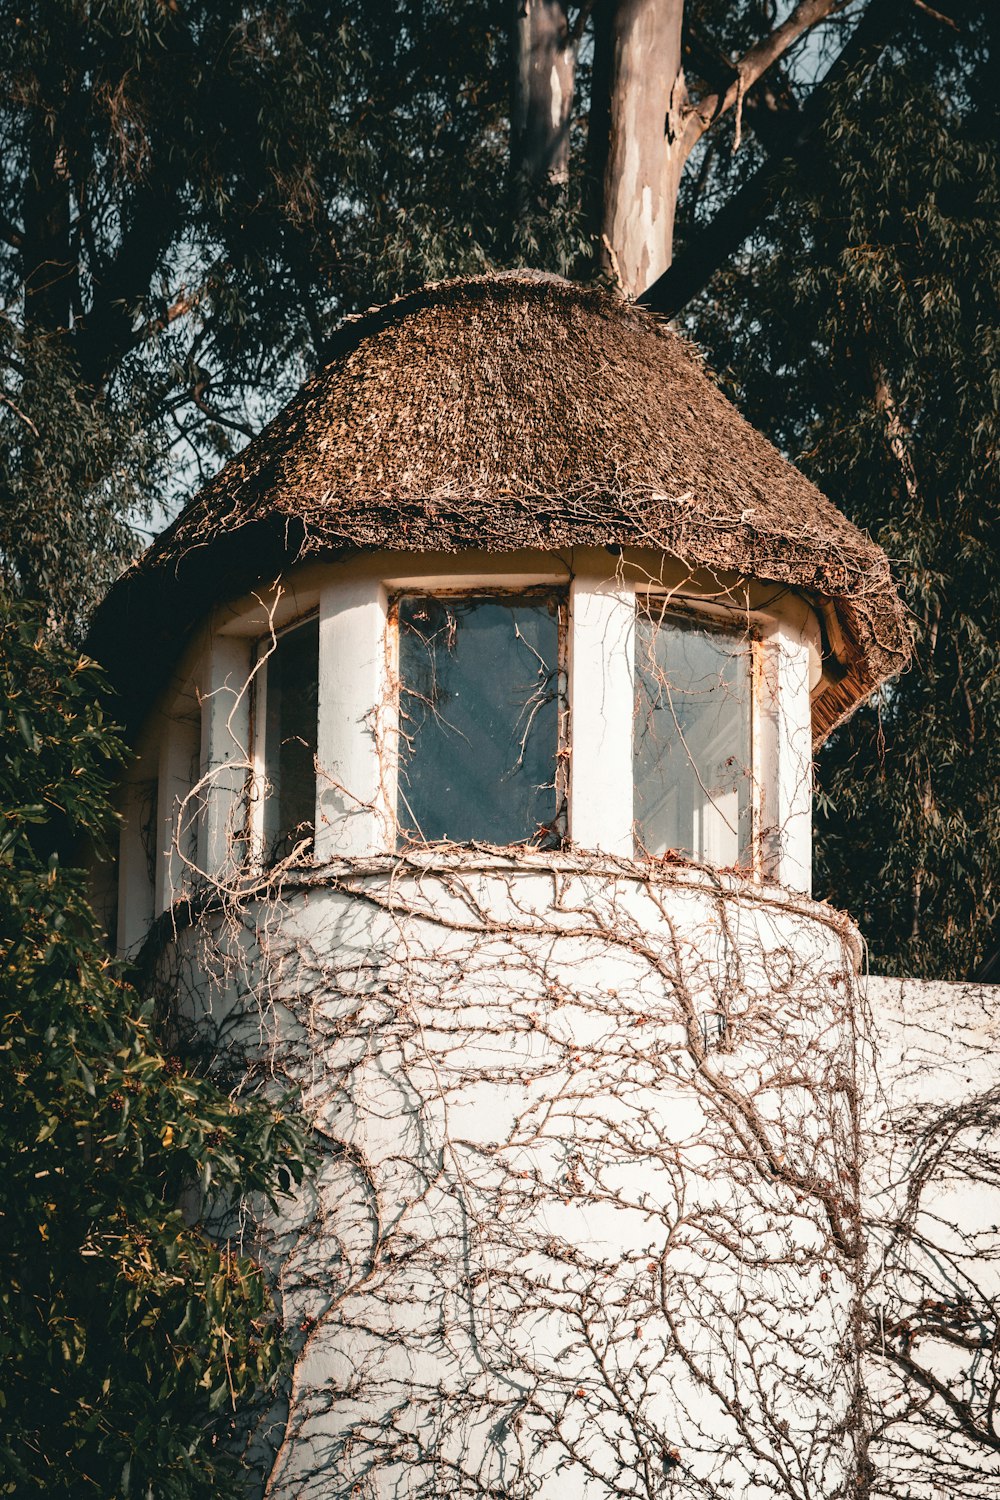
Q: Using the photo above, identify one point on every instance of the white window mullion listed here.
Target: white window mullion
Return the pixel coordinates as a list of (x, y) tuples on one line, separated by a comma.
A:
[(355, 751), (602, 709), (225, 756), (257, 781), (783, 752)]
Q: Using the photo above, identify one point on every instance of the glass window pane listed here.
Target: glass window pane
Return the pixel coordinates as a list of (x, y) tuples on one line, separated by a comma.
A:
[(291, 699), (479, 718), (692, 739)]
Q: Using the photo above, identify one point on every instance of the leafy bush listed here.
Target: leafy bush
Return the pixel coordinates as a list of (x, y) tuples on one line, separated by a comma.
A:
[(127, 1334)]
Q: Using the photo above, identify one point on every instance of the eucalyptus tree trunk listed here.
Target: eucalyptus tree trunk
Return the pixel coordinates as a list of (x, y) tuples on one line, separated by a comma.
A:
[(644, 122), (638, 146), (544, 80)]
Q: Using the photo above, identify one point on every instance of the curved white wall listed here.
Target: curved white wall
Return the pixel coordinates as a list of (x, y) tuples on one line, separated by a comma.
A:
[(586, 1220)]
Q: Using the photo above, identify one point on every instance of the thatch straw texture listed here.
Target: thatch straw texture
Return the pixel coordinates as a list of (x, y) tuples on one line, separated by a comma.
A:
[(507, 413)]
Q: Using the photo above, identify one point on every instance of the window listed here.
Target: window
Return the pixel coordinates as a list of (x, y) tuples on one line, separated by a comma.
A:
[(290, 693), (692, 737), (480, 695)]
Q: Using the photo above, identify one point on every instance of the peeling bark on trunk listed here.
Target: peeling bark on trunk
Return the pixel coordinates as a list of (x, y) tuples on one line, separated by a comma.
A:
[(644, 125), (544, 78), (638, 147), (897, 434)]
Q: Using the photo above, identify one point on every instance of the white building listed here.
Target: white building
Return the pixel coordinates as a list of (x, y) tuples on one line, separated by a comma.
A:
[(475, 706)]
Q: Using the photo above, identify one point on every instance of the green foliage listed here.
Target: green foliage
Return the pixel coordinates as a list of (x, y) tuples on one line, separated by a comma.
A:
[(195, 195), (126, 1333), (73, 473), (862, 331)]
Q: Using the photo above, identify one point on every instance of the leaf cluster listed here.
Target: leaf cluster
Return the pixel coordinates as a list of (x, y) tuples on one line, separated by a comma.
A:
[(127, 1333), (76, 476)]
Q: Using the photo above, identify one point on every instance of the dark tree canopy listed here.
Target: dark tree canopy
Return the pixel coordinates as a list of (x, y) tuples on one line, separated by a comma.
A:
[(860, 329), (192, 196), (195, 193)]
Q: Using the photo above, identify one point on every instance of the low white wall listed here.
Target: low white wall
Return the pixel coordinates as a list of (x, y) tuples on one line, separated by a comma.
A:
[(932, 1197)]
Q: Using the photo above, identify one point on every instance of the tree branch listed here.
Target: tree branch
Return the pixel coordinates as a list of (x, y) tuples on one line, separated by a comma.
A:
[(712, 246), (937, 15), (577, 29), (108, 332), (11, 234), (897, 434), (18, 412), (182, 303), (755, 62), (198, 393)]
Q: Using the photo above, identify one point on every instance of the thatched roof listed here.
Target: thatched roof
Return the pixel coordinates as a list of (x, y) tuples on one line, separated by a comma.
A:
[(506, 413)]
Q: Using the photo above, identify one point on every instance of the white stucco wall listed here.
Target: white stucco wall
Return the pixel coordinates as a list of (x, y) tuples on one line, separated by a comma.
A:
[(585, 1224), (932, 1192)]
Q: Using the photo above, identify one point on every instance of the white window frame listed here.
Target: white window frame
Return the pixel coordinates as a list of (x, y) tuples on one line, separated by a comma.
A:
[(257, 783), (603, 612), (780, 732), (560, 771), (748, 625), (357, 728)]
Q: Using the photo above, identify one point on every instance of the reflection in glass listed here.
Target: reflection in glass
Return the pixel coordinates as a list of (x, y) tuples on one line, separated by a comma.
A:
[(479, 718), (691, 744), (290, 717)]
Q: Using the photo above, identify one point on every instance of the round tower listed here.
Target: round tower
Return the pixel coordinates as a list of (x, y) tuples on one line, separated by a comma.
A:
[(475, 704)]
